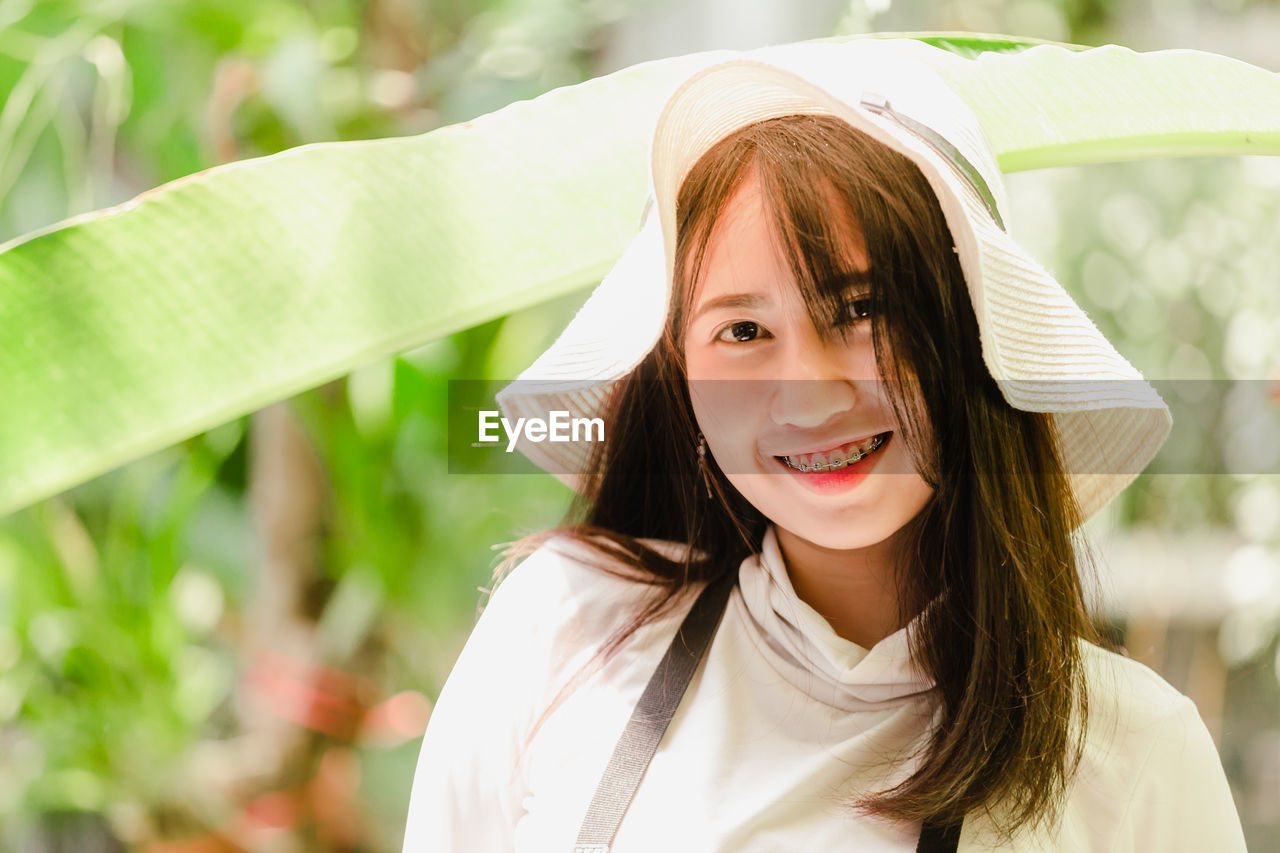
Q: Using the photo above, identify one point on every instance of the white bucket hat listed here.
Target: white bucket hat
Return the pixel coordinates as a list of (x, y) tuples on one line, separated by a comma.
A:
[(1046, 355)]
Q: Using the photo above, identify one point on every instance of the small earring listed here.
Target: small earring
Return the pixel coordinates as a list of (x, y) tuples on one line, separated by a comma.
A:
[(702, 464)]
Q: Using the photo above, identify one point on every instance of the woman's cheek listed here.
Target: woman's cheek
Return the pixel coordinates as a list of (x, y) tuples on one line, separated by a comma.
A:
[(729, 413)]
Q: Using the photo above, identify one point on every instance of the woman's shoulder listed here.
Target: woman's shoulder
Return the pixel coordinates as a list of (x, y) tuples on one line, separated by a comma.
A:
[(573, 572), (1134, 715), (1149, 776), (569, 591), (543, 624), (1126, 691)]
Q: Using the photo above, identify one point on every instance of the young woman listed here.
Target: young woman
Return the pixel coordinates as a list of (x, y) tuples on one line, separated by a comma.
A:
[(837, 394)]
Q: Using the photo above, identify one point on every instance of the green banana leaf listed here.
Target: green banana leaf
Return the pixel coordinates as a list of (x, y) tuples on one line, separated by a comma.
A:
[(127, 330)]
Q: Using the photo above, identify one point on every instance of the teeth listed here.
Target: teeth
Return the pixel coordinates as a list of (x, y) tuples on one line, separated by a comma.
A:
[(833, 462)]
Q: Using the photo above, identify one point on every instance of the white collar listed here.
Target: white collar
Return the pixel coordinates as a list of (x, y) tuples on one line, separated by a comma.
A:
[(807, 651)]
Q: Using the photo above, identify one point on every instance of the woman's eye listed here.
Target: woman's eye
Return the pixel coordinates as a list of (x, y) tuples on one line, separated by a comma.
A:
[(742, 331), (859, 309)]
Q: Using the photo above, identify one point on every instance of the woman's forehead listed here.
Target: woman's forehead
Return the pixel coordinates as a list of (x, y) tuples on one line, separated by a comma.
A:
[(750, 243)]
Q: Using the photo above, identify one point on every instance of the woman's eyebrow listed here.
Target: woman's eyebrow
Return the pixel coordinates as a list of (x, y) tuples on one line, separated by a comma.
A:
[(853, 280), (731, 300)]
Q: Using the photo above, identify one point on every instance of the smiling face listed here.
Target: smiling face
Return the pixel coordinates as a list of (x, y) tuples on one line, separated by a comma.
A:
[(795, 416)]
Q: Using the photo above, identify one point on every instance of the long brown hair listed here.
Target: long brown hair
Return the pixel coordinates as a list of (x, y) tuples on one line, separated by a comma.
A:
[(992, 550)]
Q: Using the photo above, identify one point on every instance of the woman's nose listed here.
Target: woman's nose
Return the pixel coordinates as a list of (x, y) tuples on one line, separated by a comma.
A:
[(814, 383)]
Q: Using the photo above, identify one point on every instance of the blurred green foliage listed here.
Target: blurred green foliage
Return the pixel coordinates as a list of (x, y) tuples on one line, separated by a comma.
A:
[(1177, 261), (135, 610)]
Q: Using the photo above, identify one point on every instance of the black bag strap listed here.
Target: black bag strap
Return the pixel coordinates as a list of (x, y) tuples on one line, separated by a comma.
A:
[(938, 837), (652, 715)]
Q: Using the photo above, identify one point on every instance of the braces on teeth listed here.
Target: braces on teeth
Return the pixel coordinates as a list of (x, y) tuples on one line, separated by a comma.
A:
[(855, 456)]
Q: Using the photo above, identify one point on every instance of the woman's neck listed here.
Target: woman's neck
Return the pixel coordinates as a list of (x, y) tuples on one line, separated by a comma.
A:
[(855, 591)]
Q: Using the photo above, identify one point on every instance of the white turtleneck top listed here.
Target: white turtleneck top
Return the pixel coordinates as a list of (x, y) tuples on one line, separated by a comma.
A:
[(782, 725)]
